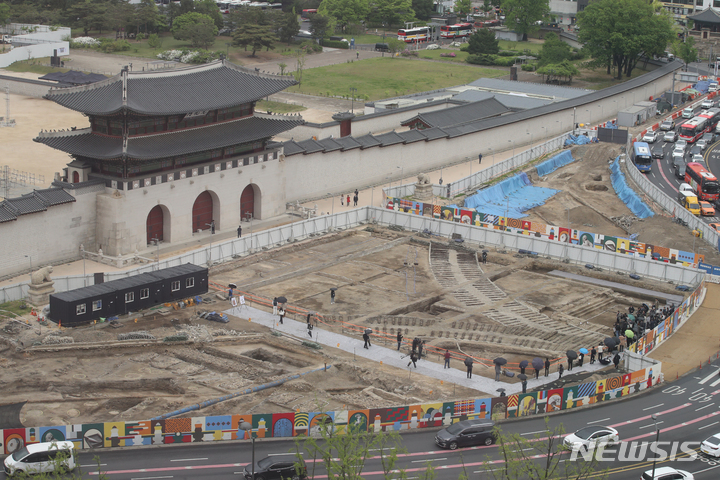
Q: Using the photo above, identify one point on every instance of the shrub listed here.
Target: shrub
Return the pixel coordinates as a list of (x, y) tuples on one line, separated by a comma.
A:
[(336, 44), (451, 54), (507, 53), (154, 41), (528, 67), (504, 61), (409, 53), (481, 59), (108, 45), (310, 46), (84, 42), (464, 48)]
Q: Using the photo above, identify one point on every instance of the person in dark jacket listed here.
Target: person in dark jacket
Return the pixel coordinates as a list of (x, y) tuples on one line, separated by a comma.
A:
[(275, 304), (413, 359), (547, 367), (399, 339), (281, 312), (469, 365), (580, 360), (537, 373), (616, 361), (420, 348), (560, 370), (524, 386), (366, 337), (332, 296), (593, 352)]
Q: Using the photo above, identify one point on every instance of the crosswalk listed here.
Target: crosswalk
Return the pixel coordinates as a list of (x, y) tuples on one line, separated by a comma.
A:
[(714, 377)]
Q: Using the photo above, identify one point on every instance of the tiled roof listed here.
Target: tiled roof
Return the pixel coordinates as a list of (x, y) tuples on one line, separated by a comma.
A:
[(34, 202), (531, 88), (73, 77), (511, 101), (329, 144), (347, 143), (215, 85), (311, 146), (390, 138), (367, 141), (411, 136), (181, 142), (291, 148), (434, 133), (709, 15), (490, 107)]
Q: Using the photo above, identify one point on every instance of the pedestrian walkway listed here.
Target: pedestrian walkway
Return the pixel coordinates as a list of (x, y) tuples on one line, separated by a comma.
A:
[(392, 357), (676, 299)]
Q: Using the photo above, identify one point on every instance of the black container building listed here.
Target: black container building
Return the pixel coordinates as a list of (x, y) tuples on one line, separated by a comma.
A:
[(130, 294)]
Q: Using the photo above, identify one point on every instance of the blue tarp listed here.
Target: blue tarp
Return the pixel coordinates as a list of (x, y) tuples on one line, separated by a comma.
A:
[(577, 140), (510, 197), (626, 194), (702, 86), (559, 160)]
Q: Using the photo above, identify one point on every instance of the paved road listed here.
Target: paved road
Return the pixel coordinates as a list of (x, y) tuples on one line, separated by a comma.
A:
[(687, 411)]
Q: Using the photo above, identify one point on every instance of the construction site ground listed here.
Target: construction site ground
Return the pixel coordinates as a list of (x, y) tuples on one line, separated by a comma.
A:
[(386, 279)]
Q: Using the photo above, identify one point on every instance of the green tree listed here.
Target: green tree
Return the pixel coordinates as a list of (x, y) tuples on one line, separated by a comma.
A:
[(87, 15), (186, 6), (463, 7), (554, 50), (483, 41), (210, 8), (345, 11), (562, 72), (154, 41), (391, 12), (617, 33), (290, 28), (255, 36), (119, 15), (686, 50), (147, 14), (199, 29), (522, 15), (4, 13), (395, 45), (319, 26), (422, 8), (541, 458)]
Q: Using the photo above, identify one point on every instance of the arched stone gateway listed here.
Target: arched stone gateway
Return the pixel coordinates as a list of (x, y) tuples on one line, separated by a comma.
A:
[(202, 212), (247, 203), (154, 224)]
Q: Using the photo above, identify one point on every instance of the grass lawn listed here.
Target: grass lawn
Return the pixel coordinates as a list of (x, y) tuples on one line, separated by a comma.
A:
[(378, 78), (520, 46), (24, 66), (435, 55), (278, 107), (14, 307), (599, 79)]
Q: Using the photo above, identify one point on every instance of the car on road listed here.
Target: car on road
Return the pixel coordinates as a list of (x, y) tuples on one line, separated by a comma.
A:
[(707, 104), (688, 112), (650, 136), (276, 468), (697, 158), (716, 227), (682, 142), (709, 138), (678, 158), (702, 143), (696, 149), (680, 170), (670, 136), (657, 151), (667, 473), (466, 434), (678, 151), (667, 125), (40, 458), (588, 438), (706, 209)]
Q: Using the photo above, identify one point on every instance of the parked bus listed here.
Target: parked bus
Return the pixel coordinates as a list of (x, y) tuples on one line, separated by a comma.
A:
[(456, 31), (307, 13), (641, 156), (693, 129), (413, 35), (712, 116), (703, 182)]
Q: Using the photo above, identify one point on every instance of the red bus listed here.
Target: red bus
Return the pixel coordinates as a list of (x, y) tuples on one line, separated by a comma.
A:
[(712, 116), (703, 182), (457, 30), (693, 129), (412, 35), (308, 12)]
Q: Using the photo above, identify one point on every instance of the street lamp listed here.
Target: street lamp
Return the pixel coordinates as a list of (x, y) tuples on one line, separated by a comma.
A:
[(513, 147), (247, 428), (402, 173), (657, 439), (353, 90)]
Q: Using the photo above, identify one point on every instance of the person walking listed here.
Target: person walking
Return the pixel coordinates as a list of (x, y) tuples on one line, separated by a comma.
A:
[(357, 55), (447, 359), (309, 324), (355, 200), (469, 365), (593, 352), (413, 359), (537, 374), (212, 227), (399, 339), (275, 304), (560, 370), (420, 348), (547, 367), (580, 360), (484, 257), (498, 371), (342, 199), (348, 199), (524, 386), (479, 157), (282, 314), (230, 293), (366, 337), (239, 230), (616, 361), (332, 296), (570, 362)]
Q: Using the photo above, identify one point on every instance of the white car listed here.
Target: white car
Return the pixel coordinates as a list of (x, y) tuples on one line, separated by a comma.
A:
[(670, 136), (40, 458), (682, 142), (702, 143), (711, 446), (698, 158), (667, 473), (650, 136), (588, 438), (678, 150), (707, 104)]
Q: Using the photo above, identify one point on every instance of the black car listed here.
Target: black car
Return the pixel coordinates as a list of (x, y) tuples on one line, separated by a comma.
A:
[(276, 468), (657, 151), (382, 47), (680, 170), (696, 150), (709, 138), (466, 434)]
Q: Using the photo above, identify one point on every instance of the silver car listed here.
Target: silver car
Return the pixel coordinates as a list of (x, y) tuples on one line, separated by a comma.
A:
[(670, 136), (702, 143), (650, 136), (682, 142)]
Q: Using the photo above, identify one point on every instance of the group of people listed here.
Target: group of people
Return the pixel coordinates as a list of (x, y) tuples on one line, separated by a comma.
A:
[(639, 321), (345, 199), (417, 349)]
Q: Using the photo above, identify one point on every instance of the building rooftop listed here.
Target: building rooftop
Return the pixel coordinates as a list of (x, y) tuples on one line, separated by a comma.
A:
[(36, 201), (490, 107), (169, 144), (215, 85)]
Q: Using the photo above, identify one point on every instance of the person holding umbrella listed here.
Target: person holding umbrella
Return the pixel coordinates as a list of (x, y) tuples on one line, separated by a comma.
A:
[(571, 355), (537, 364), (523, 365), (583, 352), (616, 361), (469, 364), (499, 362), (523, 378)]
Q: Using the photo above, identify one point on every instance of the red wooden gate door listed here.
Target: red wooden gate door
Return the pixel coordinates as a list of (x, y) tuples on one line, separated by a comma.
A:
[(76, 177), (155, 224), (247, 202), (202, 212)]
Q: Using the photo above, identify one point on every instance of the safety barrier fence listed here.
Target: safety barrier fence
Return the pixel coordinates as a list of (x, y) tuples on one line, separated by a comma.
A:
[(509, 238)]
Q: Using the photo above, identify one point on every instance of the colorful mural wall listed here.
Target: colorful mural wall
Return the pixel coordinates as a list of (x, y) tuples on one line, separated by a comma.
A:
[(551, 232)]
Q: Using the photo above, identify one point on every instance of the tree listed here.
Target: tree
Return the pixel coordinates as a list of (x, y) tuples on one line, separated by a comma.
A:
[(540, 458), (154, 41), (483, 41), (87, 15), (255, 36), (422, 8), (186, 6), (463, 7), (554, 50), (199, 29), (617, 33), (391, 12), (290, 28), (119, 15), (686, 50), (395, 45), (345, 11), (172, 11), (210, 8), (319, 25), (522, 15), (4, 13), (147, 14), (559, 72)]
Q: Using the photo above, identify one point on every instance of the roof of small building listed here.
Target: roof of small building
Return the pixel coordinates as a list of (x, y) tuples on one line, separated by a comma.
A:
[(36, 201), (390, 138), (347, 143), (215, 85), (168, 144), (489, 107), (530, 88), (73, 77), (709, 15)]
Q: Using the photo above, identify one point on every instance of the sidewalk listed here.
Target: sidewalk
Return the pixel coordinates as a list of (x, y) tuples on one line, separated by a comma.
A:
[(394, 358)]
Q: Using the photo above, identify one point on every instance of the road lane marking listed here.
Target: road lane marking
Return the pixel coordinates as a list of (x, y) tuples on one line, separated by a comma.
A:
[(598, 421), (673, 427), (150, 478), (706, 426), (279, 454), (654, 406), (647, 417), (532, 433), (648, 426), (188, 459), (699, 390), (715, 383), (378, 449), (94, 465), (707, 379), (428, 460), (706, 406)]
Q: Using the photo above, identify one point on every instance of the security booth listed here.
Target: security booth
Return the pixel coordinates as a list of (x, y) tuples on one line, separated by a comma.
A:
[(132, 294)]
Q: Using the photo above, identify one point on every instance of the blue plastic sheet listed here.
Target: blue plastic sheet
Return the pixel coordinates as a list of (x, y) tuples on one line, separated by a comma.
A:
[(702, 86), (510, 197), (577, 140), (559, 160), (626, 194)]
